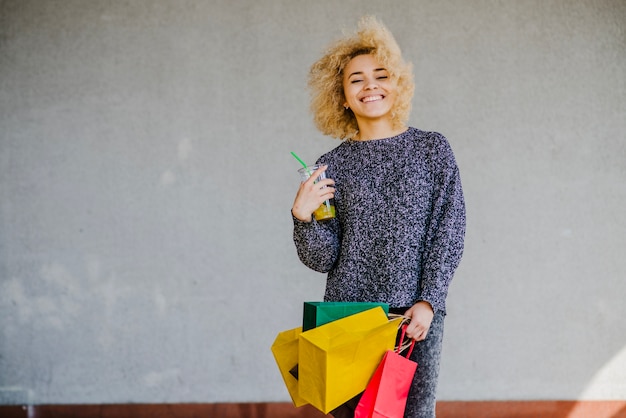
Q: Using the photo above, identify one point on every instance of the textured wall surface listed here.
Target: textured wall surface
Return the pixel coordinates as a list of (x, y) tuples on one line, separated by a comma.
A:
[(146, 182)]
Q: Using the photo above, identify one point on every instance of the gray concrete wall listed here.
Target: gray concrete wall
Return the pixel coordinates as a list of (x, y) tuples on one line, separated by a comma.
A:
[(146, 182)]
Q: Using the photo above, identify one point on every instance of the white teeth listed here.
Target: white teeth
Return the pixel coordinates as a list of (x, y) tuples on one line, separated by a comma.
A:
[(371, 98)]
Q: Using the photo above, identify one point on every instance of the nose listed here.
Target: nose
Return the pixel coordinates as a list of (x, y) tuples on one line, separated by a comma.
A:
[(371, 84)]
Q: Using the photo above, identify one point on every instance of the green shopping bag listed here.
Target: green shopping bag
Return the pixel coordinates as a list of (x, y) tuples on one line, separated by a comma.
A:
[(320, 313)]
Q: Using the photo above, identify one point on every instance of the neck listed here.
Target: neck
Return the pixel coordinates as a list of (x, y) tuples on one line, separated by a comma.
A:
[(370, 131)]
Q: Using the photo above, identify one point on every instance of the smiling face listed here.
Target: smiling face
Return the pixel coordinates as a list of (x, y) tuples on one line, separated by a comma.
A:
[(369, 89)]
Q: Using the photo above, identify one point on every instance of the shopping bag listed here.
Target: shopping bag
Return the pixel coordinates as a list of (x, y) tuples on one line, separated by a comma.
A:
[(337, 359), (387, 391), (320, 313), (285, 350)]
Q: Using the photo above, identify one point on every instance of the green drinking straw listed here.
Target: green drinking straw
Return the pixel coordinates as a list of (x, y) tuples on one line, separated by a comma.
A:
[(301, 162), (298, 158)]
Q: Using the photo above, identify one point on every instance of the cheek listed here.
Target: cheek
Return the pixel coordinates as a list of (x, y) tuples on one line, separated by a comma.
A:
[(349, 94), (346, 94), (393, 93), (348, 89)]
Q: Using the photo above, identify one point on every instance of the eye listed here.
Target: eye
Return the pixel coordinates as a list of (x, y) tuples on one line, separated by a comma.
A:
[(382, 77), (356, 80)]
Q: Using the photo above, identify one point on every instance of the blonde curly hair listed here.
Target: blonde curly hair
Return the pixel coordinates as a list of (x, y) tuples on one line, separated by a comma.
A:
[(326, 78)]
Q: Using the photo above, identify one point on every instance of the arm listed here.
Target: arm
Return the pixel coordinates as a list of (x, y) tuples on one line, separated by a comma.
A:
[(317, 243), (443, 246), (446, 231)]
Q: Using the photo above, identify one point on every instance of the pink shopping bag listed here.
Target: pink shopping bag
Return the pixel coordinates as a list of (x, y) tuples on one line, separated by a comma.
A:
[(386, 394)]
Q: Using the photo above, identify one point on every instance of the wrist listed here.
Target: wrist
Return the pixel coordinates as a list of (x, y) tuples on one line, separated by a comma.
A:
[(301, 218), (426, 303)]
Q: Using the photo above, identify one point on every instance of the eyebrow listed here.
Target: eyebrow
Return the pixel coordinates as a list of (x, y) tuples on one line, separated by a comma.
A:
[(361, 72)]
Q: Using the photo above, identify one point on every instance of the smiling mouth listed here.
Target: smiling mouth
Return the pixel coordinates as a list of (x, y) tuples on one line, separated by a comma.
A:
[(368, 99)]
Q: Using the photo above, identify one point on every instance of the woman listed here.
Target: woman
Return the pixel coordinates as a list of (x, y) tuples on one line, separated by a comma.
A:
[(400, 225)]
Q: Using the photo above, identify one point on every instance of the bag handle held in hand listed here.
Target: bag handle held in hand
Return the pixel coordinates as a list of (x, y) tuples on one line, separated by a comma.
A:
[(400, 345), (402, 326)]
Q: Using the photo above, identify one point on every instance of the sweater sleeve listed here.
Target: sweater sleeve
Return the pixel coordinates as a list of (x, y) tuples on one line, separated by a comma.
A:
[(317, 243), (446, 230)]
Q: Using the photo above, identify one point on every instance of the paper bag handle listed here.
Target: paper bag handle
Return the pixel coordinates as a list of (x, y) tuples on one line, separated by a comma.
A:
[(402, 326), (400, 348)]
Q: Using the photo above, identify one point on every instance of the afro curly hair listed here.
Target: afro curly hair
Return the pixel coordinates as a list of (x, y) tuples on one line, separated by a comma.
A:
[(326, 78)]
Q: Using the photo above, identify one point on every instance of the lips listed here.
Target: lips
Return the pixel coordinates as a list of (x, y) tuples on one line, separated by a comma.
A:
[(368, 99)]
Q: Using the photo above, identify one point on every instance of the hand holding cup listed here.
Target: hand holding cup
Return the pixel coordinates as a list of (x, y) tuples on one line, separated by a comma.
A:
[(315, 195)]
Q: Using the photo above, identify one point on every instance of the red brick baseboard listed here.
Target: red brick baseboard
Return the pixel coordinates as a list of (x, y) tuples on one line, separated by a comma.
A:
[(445, 409), (532, 409)]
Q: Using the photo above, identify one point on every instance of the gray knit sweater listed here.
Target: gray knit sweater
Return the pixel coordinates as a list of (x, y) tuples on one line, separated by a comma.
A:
[(400, 225)]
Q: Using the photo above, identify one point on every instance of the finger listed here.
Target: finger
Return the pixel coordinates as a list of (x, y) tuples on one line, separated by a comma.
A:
[(413, 331), (321, 195), (319, 171), (326, 189), (423, 334), (322, 186), (314, 175), (326, 182), (318, 189), (418, 332), (417, 337)]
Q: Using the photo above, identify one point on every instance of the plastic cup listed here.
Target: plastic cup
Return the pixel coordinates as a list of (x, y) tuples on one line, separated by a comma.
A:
[(327, 208)]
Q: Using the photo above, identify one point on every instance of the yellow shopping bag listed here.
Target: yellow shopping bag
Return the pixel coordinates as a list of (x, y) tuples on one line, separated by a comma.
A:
[(285, 350), (336, 360)]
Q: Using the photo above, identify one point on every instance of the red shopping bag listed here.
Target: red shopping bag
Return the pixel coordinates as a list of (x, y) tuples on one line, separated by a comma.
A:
[(386, 394)]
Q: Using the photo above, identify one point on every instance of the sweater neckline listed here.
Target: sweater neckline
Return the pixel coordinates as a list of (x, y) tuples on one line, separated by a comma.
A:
[(382, 140)]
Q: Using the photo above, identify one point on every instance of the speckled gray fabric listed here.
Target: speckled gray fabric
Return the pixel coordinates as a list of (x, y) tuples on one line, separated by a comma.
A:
[(400, 225)]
